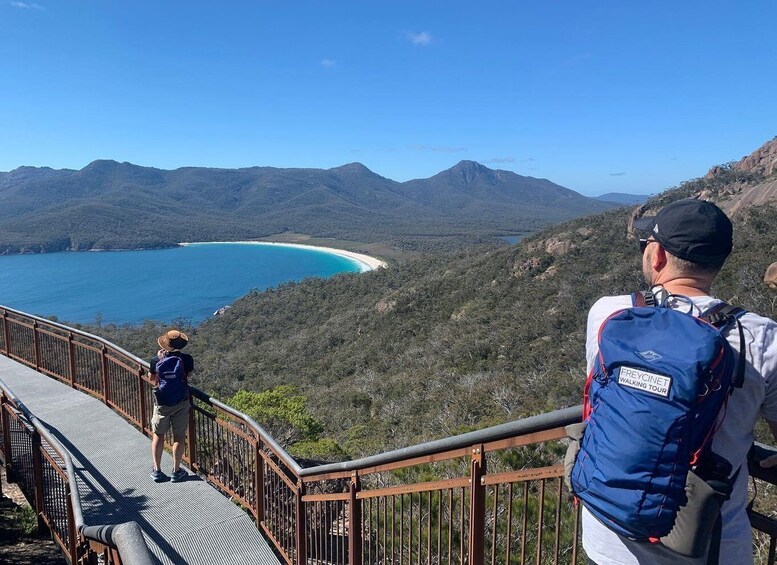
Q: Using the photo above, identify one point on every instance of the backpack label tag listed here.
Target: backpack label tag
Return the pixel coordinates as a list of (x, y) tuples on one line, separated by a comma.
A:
[(639, 379), (649, 355)]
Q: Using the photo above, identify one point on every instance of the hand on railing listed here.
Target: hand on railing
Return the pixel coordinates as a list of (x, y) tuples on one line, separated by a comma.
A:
[(762, 462)]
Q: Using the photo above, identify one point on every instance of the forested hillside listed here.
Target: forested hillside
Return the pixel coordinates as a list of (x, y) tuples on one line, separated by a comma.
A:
[(110, 205), (449, 343)]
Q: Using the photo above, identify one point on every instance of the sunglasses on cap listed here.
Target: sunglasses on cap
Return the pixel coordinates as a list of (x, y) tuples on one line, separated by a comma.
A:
[(644, 242)]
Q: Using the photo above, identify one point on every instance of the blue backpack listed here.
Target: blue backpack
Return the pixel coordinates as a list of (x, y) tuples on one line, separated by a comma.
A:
[(172, 387), (652, 405)]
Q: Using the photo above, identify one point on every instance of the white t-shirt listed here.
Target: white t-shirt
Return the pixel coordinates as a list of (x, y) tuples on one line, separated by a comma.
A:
[(758, 397)]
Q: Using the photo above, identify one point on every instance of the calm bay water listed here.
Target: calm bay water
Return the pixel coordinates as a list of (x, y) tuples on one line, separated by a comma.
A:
[(188, 282)]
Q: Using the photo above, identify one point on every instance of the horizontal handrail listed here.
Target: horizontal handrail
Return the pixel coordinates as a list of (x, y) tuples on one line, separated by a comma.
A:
[(79, 332), (532, 424), (126, 537)]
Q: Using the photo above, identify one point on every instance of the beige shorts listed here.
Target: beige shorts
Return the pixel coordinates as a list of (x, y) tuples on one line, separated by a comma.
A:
[(175, 417)]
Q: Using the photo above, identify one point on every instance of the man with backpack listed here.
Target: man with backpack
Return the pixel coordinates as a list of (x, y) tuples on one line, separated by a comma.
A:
[(170, 371), (683, 249)]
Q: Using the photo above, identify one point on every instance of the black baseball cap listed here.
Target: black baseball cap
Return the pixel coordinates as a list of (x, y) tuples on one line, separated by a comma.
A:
[(690, 229)]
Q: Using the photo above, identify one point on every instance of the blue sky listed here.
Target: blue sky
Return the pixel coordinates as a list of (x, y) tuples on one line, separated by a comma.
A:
[(596, 96)]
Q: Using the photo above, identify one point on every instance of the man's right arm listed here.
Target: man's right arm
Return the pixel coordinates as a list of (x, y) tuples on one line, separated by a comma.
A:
[(769, 368), (152, 371)]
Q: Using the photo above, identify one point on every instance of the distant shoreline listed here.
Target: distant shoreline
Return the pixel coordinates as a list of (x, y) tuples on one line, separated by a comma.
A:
[(365, 262)]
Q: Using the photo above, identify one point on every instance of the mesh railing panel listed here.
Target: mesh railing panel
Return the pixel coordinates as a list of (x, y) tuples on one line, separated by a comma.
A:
[(21, 454), (123, 383), (21, 341), (88, 367), (55, 502), (55, 354)]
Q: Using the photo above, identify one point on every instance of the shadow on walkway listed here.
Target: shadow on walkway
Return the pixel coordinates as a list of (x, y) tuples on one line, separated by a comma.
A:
[(103, 503)]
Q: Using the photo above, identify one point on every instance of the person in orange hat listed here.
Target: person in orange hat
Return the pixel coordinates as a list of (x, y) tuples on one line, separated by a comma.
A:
[(170, 371)]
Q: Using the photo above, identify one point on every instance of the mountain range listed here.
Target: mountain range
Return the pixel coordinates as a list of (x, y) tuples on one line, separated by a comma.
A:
[(451, 342), (111, 205)]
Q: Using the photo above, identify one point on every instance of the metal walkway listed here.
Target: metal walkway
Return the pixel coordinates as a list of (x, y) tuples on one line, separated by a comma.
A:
[(183, 523)]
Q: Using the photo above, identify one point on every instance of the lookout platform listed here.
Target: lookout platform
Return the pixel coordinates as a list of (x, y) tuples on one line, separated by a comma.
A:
[(188, 522)]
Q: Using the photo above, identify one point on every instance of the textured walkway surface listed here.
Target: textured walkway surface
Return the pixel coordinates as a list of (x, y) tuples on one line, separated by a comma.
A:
[(186, 522)]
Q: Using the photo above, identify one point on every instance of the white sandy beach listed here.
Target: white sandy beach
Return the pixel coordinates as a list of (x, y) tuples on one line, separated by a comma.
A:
[(366, 262)]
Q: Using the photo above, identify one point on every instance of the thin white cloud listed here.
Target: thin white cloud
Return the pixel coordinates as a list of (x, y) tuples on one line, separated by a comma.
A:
[(328, 63), (422, 38), (27, 6), (437, 148), (501, 160)]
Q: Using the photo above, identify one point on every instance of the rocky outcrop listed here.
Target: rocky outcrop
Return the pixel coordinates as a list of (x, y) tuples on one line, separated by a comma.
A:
[(763, 160), (385, 305), (637, 213), (558, 245), (736, 187), (770, 278), (584, 232), (549, 273), (559, 248), (759, 195), (521, 268)]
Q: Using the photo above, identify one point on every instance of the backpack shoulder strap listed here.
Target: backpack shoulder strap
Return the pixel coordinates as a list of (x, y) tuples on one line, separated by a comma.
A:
[(720, 316), (643, 298)]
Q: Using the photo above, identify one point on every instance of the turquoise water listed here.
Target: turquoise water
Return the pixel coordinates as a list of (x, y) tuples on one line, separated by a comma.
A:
[(188, 282)]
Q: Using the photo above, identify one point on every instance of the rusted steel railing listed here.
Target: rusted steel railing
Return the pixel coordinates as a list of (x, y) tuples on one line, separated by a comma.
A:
[(490, 496), (44, 470)]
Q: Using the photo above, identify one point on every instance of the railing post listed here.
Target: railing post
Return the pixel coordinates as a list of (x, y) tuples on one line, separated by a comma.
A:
[(36, 344), (477, 506), (37, 473), (72, 528), (6, 334), (104, 365), (192, 435), (301, 533), (6, 437), (142, 398), (71, 349), (259, 485), (354, 522)]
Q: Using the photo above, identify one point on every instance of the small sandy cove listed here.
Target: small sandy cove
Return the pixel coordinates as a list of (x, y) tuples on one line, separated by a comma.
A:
[(366, 262)]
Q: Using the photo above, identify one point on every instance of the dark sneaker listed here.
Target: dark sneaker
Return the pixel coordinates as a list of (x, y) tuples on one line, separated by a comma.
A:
[(159, 476), (178, 476)]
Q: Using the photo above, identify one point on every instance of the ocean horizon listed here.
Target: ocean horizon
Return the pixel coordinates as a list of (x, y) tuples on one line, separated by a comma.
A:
[(190, 282)]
